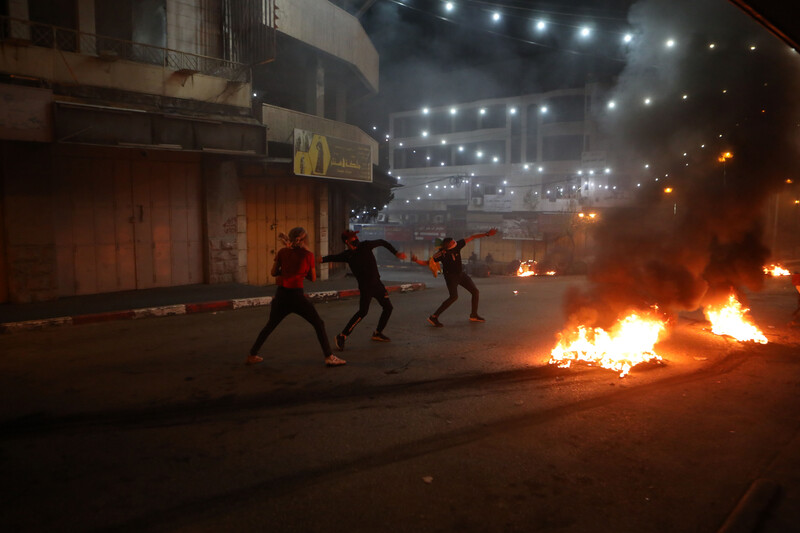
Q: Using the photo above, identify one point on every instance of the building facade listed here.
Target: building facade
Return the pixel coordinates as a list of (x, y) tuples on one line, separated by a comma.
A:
[(152, 143), (536, 167)]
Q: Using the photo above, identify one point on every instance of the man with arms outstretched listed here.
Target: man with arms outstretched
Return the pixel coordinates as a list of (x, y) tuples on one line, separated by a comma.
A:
[(361, 260), (449, 255)]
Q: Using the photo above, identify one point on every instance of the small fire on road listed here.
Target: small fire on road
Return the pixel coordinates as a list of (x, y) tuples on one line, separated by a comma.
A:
[(731, 319), (630, 342), (776, 270), (530, 268), (525, 270)]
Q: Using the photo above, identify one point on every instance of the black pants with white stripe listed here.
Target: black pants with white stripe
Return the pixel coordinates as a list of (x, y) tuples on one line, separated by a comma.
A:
[(367, 293)]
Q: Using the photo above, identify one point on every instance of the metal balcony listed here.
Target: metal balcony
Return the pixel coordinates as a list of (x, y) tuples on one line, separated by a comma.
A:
[(21, 32)]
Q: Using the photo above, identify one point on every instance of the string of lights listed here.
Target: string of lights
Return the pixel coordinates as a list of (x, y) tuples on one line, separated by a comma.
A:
[(550, 185), (540, 24)]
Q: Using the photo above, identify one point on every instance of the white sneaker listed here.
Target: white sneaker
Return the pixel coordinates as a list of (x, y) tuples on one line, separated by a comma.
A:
[(332, 360)]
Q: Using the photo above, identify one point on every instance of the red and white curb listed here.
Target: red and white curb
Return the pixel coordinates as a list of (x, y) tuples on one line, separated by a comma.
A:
[(185, 309)]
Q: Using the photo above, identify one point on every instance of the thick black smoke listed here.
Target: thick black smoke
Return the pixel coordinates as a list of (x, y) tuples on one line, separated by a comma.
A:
[(725, 85)]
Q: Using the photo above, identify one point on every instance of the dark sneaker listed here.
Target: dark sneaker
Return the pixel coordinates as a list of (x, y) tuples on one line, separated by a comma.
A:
[(435, 321), (476, 318), (340, 342), (332, 360), (254, 359), (378, 336)]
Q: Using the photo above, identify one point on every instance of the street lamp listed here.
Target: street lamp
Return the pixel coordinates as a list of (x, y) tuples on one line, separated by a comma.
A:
[(723, 158), (668, 190)]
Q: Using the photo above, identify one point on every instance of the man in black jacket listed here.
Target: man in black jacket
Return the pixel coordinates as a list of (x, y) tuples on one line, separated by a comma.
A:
[(362, 264)]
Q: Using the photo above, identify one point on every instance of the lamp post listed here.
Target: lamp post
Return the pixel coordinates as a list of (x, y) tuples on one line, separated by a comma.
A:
[(668, 190), (723, 157)]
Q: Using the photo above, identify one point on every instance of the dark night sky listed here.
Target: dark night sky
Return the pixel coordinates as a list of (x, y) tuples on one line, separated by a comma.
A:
[(431, 57)]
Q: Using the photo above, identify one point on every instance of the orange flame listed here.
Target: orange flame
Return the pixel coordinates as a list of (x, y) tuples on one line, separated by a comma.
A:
[(527, 268), (776, 270), (524, 271), (630, 342), (730, 319)]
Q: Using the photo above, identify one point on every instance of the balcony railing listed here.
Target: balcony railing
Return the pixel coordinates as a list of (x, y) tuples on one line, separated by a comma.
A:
[(25, 32)]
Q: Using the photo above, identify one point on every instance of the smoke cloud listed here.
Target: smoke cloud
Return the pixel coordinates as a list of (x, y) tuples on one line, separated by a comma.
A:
[(724, 85), (427, 60)]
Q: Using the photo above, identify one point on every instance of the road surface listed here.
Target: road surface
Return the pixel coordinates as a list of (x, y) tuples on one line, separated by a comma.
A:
[(157, 425)]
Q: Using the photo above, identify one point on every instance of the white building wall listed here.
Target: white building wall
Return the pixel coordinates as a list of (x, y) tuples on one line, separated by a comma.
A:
[(528, 180)]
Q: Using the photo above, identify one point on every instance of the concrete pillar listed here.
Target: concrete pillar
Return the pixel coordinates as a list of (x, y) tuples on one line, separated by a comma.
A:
[(241, 239), (319, 106), (341, 103), (31, 259), (523, 133), (322, 228), (224, 211)]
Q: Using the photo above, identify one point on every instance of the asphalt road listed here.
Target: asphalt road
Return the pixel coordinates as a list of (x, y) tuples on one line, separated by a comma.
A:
[(157, 425)]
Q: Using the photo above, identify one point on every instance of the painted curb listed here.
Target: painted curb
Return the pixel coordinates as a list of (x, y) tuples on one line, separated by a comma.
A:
[(185, 309)]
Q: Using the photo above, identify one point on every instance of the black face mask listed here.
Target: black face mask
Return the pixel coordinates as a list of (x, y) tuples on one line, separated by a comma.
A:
[(354, 242)]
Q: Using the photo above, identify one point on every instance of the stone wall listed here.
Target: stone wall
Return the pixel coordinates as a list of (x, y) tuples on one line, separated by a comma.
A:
[(27, 207)]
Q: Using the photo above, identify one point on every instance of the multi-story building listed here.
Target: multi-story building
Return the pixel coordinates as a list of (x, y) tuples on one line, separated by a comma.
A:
[(534, 166), (167, 142)]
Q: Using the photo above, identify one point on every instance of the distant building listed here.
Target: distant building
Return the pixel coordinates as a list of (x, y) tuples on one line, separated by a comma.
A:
[(528, 165), (167, 142)]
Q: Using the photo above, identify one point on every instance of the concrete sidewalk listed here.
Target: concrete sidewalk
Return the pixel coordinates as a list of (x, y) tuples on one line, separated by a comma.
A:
[(168, 301)]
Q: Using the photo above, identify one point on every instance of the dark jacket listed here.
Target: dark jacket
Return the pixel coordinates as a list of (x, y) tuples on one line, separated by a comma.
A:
[(361, 260), (451, 259)]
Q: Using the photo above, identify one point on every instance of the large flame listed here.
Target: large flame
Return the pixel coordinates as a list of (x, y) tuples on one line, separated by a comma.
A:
[(630, 342), (776, 270), (731, 319)]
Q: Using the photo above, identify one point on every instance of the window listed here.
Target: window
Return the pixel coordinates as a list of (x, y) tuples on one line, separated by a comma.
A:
[(466, 120), (441, 122), (495, 117), (562, 147), (141, 21), (531, 149), (564, 109)]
